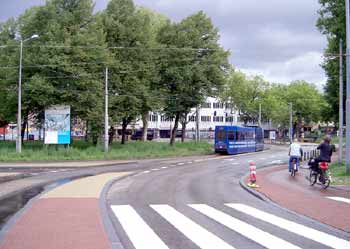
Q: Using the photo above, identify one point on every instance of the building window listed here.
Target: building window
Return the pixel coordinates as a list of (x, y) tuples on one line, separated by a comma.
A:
[(229, 119), (153, 118), (192, 118), (218, 105), (218, 119), (229, 106), (206, 105), (165, 118), (205, 118)]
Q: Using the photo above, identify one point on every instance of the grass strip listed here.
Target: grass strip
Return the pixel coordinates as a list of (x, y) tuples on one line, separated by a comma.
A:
[(81, 150)]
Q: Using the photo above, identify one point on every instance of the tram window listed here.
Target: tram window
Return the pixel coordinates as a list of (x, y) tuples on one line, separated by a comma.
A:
[(230, 135)]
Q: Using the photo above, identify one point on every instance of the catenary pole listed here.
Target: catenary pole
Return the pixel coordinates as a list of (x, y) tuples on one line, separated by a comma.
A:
[(19, 113), (106, 111), (197, 125), (259, 115), (347, 158), (291, 122), (341, 108)]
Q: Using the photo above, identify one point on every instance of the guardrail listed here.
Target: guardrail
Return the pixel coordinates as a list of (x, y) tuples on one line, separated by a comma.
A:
[(311, 154)]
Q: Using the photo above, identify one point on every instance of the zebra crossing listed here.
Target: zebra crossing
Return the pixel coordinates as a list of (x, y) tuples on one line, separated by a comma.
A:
[(142, 236)]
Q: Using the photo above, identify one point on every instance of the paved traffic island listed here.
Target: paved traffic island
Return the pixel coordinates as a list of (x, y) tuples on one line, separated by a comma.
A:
[(66, 217), (330, 206)]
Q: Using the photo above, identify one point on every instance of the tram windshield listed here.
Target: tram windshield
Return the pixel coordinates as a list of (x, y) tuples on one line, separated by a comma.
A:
[(221, 135)]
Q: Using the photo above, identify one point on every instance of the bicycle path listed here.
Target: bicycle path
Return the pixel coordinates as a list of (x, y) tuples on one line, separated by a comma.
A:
[(295, 193), (66, 217)]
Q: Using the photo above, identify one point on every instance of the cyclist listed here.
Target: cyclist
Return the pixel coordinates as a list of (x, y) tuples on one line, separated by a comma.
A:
[(295, 153), (326, 150)]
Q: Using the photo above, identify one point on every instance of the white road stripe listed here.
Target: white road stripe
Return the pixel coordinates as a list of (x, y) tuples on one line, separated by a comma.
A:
[(164, 167), (145, 172), (263, 158), (180, 163), (293, 227), (235, 163), (263, 238), (339, 199), (189, 162), (140, 234), (201, 237), (155, 169)]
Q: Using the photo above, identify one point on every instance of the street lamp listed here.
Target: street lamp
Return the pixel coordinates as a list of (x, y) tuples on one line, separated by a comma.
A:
[(19, 115)]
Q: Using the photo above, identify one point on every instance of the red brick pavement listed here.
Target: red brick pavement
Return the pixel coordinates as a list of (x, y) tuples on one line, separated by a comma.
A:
[(59, 223), (295, 194)]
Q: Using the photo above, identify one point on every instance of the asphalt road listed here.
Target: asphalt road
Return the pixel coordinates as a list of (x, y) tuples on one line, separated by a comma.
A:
[(198, 203)]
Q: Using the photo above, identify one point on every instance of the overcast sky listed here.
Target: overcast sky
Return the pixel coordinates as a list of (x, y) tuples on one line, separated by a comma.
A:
[(274, 38)]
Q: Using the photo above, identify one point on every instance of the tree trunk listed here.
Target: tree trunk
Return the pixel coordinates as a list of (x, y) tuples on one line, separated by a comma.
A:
[(173, 132), (111, 135), (24, 125), (183, 135), (124, 125), (145, 126), (87, 131)]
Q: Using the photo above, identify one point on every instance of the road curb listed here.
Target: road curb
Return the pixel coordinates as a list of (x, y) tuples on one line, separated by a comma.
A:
[(105, 213), (271, 202)]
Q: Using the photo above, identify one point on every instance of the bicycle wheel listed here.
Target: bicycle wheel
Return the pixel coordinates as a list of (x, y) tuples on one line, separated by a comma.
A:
[(312, 177), (326, 181)]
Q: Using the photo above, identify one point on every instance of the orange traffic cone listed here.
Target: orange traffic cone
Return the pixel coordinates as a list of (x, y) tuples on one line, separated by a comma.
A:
[(252, 175)]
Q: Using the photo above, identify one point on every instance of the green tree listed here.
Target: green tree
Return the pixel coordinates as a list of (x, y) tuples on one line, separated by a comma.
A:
[(71, 45), (245, 94), (195, 66), (8, 72), (133, 68), (331, 22)]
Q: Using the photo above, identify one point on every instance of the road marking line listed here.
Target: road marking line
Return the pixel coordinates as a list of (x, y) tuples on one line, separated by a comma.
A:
[(200, 236), (146, 172), (293, 227), (339, 199), (276, 162), (164, 167), (199, 160), (189, 162), (140, 234), (235, 163), (180, 163), (263, 238), (263, 158), (155, 169)]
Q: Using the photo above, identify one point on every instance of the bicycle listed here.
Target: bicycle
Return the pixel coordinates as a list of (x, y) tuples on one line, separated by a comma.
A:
[(322, 174), (294, 167)]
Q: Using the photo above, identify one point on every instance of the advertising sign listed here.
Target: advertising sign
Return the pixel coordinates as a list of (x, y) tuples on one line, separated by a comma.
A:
[(272, 135), (57, 125)]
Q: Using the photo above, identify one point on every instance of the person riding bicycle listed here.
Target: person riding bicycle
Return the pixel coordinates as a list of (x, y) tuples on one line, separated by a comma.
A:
[(295, 153), (326, 150)]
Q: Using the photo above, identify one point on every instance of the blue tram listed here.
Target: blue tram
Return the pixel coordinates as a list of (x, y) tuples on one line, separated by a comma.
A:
[(237, 139)]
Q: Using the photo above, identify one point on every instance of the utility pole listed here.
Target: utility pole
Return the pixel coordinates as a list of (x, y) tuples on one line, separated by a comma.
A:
[(19, 112), (291, 122), (347, 159), (106, 111), (259, 123), (341, 110), (197, 125)]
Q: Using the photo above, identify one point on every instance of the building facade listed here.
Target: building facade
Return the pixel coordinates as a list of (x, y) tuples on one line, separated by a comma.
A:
[(211, 113)]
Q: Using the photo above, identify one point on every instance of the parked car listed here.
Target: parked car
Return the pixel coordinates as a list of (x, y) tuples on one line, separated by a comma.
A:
[(138, 135)]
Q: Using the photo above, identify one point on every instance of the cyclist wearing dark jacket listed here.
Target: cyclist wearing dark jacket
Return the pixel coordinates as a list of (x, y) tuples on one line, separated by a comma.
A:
[(326, 150)]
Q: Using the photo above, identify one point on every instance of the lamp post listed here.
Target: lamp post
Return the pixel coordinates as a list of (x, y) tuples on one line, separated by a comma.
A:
[(19, 114)]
